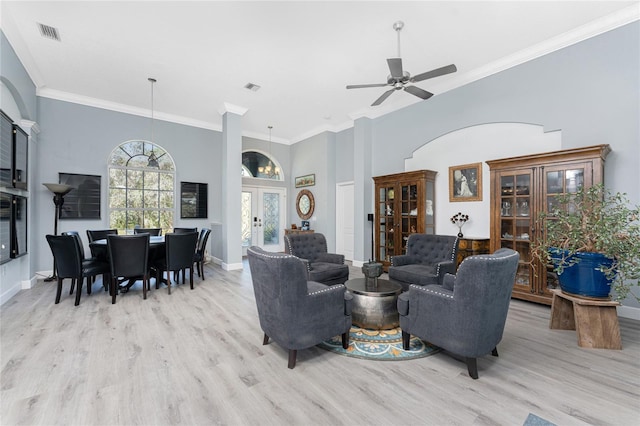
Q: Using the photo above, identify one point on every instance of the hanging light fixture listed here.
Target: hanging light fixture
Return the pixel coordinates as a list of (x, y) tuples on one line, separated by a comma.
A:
[(153, 160), (269, 170)]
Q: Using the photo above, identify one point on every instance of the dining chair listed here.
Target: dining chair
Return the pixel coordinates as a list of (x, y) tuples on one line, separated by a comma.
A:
[(129, 258), (184, 230), (99, 266), (154, 232), (100, 234), (68, 259), (179, 249), (201, 250)]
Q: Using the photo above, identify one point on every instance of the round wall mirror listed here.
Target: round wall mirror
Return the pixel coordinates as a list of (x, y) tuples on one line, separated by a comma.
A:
[(305, 204)]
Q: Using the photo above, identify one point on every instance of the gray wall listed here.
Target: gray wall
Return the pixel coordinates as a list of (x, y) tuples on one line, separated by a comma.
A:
[(79, 139), (589, 91)]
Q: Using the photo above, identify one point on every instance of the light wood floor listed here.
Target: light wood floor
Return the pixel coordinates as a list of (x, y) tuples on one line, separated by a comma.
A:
[(196, 358)]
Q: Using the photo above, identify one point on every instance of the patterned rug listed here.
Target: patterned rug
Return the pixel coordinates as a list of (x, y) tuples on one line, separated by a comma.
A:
[(382, 345)]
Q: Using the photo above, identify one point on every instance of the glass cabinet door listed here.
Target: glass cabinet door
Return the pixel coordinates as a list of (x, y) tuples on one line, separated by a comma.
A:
[(409, 214), (558, 181), (386, 199), (516, 223)]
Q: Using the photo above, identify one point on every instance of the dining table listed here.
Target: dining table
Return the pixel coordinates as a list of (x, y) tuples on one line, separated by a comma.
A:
[(157, 249)]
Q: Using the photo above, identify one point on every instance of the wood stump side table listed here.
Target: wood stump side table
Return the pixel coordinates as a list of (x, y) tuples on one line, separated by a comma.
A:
[(595, 321)]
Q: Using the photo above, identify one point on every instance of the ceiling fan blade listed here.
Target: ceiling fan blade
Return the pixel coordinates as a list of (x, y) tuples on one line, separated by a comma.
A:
[(434, 73), (362, 86), (414, 90), (395, 66), (384, 96)]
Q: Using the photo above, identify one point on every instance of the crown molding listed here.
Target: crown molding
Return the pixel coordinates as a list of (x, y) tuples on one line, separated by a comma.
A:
[(123, 108), (234, 109)]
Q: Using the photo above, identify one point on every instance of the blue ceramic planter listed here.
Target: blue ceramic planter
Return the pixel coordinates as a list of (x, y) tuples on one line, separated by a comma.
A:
[(584, 278)]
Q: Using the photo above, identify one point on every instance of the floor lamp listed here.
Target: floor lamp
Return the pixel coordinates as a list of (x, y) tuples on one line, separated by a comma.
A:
[(59, 191)]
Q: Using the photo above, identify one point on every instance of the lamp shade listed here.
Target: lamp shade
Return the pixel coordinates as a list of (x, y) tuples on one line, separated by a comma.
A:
[(58, 188)]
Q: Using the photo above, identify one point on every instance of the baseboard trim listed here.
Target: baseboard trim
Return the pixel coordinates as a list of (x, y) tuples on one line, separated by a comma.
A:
[(629, 312)]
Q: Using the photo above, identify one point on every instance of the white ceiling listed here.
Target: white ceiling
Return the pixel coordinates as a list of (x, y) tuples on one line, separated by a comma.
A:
[(301, 53)]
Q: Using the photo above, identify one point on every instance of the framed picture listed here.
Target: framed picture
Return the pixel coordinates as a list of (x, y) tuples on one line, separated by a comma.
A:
[(308, 180), (193, 200), (465, 182), (83, 202)]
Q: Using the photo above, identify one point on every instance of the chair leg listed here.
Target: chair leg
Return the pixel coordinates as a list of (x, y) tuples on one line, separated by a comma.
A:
[(406, 337), (79, 290), (191, 276), (345, 340), (114, 289), (494, 352), (73, 286), (265, 340), (145, 284), (169, 281), (59, 290), (292, 358), (89, 282), (472, 367)]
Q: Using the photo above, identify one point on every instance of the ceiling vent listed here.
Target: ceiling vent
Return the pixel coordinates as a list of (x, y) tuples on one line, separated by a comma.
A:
[(49, 32), (252, 87)]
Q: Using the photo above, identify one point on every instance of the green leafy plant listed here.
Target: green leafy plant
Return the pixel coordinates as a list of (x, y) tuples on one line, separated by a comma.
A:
[(594, 220)]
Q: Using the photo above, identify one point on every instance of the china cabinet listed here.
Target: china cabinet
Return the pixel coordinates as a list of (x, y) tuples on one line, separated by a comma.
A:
[(522, 188), (472, 246), (404, 204)]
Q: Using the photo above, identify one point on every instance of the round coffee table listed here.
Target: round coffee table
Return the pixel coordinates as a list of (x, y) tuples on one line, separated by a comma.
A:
[(374, 306)]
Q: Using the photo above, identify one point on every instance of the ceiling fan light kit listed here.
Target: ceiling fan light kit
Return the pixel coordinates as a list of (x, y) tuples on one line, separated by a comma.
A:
[(399, 79)]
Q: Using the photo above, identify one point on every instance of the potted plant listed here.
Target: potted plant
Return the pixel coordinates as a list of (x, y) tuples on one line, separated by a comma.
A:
[(592, 233)]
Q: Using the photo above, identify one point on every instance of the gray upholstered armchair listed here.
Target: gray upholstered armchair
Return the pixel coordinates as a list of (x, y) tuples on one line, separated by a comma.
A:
[(467, 314), (294, 312), (323, 267), (428, 259)]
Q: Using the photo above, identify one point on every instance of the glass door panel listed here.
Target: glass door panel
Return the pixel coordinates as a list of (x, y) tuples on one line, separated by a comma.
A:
[(263, 218)]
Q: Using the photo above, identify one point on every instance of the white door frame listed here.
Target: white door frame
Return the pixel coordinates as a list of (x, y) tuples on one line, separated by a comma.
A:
[(257, 230), (345, 219)]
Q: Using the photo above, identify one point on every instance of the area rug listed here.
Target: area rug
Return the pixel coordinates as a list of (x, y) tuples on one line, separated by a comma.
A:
[(382, 345)]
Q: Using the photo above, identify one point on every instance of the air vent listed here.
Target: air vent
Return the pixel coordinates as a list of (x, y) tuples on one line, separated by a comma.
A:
[(49, 32), (252, 87)]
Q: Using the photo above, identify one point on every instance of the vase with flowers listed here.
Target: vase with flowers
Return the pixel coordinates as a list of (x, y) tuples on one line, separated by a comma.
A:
[(459, 220)]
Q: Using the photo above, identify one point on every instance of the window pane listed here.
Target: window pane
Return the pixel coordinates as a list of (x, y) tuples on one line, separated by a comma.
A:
[(271, 215), (134, 218), (118, 220), (118, 198), (246, 219), (166, 182), (118, 178), (150, 199), (166, 219), (166, 199), (134, 199), (151, 180), (152, 219), (134, 179)]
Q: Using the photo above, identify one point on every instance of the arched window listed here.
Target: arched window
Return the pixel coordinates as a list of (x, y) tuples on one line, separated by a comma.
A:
[(141, 187), (258, 165)]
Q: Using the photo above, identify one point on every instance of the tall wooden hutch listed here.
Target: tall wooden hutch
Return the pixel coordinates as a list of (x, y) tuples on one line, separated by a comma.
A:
[(404, 205), (522, 188)]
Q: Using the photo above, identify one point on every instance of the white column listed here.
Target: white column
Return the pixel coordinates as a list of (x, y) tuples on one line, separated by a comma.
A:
[(231, 186)]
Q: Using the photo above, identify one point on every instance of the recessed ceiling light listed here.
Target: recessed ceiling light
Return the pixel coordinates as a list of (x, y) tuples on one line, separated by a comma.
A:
[(252, 87)]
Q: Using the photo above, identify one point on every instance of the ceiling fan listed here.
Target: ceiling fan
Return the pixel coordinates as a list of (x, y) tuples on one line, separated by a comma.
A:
[(398, 79)]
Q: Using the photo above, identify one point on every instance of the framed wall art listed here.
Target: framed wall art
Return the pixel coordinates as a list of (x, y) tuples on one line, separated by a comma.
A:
[(84, 201), (465, 182), (193, 200), (308, 180)]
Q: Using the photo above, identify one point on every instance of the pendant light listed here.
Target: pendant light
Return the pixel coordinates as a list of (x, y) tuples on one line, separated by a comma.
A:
[(270, 170), (153, 160)]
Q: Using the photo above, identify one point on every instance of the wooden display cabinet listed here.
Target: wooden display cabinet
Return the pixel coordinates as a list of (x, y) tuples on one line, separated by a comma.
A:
[(471, 247), (404, 205), (522, 188)]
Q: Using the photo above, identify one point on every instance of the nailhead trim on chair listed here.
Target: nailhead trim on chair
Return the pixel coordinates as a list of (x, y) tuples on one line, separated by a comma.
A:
[(428, 290), (330, 288), (487, 257), (287, 256)]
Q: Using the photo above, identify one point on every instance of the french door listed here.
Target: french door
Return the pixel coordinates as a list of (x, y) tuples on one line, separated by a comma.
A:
[(263, 218)]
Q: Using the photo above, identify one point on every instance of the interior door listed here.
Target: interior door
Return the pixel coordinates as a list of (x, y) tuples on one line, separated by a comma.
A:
[(344, 220), (263, 218)]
